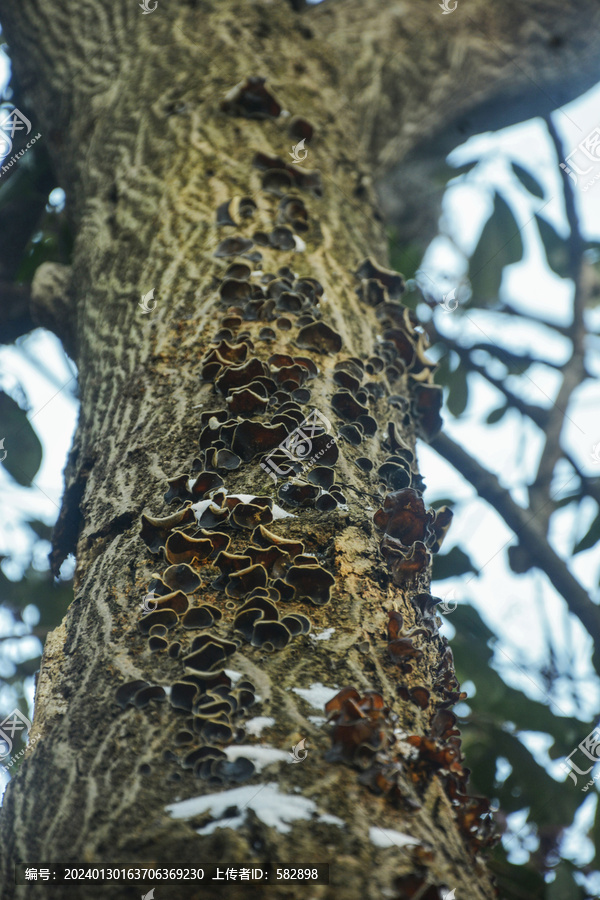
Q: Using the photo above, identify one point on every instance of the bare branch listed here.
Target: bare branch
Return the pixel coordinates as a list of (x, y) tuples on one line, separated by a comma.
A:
[(574, 370), (526, 528), (537, 414)]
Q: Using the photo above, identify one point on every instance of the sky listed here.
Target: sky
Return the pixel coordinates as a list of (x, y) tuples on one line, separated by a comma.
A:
[(513, 606)]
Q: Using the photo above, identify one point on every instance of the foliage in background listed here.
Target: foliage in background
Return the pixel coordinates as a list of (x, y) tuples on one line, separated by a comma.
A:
[(34, 230), (499, 718)]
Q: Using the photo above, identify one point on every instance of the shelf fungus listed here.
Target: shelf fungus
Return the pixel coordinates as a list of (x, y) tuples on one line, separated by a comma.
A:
[(181, 548), (362, 726), (241, 583), (210, 653), (410, 531), (300, 129), (305, 179), (321, 337), (347, 406), (251, 99), (233, 246), (427, 403), (249, 515), (261, 537), (282, 238), (310, 582), (154, 532), (392, 281), (404, 517), (293, 211), (253, 439), (167, 617), (139, 694), (201, 616)]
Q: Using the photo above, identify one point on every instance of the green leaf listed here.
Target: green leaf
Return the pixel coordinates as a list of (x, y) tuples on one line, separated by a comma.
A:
[(405, 258), (592, 537), (442, 501), (456, 171), (455, 562), (564, 885), (568, 498), (516, 881), (528, 181), (495, 701), (43, 531), (496, 414), (556, 247), (458, 391), (18, 441), (500, 245)]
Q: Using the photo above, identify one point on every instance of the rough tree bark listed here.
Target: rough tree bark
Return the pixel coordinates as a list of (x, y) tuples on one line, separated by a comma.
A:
[(132, 109)]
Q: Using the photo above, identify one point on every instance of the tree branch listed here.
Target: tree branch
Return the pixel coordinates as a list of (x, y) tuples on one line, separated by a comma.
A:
[(537, 414), (589, 486), (525, 527), (574, 370)]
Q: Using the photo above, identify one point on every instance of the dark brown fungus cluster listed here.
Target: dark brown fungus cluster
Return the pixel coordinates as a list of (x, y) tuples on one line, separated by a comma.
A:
[(362, 726), (259, 622), (363, 736), (369, 270), (417, 885), (300, 129), (410, 532), (251, 99), (292, 211), (235, 209), (402, 348), (439, 752), (155, 531), (214, 710), (279, 175), (401, 646), (234, 246), (319, 336), (269, 570), (138, 694)]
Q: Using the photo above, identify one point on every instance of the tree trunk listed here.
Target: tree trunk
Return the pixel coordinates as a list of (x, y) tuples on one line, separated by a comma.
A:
[(132, 108)]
